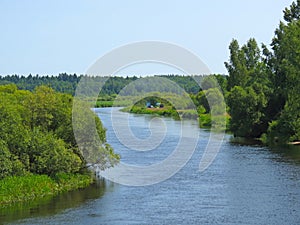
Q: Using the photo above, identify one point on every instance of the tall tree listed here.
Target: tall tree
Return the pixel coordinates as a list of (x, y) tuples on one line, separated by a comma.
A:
[(286, 67), (249, 89)]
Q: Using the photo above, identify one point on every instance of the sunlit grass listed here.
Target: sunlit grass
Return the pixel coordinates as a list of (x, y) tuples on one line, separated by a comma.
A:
[(24, 188)]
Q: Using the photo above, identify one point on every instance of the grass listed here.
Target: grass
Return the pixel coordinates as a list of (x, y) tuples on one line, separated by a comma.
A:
[(102, 104), (166, 111), (116, 103), (30, 187)]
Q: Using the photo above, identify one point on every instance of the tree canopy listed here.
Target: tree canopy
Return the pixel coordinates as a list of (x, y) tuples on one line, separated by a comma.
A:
[(263, 86), (36, 133)]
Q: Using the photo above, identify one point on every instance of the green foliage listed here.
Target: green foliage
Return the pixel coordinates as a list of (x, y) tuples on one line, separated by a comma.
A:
[(103, 104), (70, 181), (287, 127), (284, 61), (246, 111), (210, 103), (236, 66), (14, 189), (67, 83), (209, 82), (164, 104), (188, 83), (91, 137), (6, 164), (216, 101), (49, 155), (62, 83), (263, 89), (205, 120), (36, 134), (217, 123), (9, 88), (222, 81), (19, 189), (249, 90), (166, 111), (201, 102), (292, 13)]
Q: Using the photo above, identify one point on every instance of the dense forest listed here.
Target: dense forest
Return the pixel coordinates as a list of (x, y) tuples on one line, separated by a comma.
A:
[(37, 134), (67, 83), (263, 90)]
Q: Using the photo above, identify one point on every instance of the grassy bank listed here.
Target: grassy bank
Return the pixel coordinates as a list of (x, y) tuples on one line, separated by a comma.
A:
[(205, 120), (167, 111), (118, 103), (25, 188)]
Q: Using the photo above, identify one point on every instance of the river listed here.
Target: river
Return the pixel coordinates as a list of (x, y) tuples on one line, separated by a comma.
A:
[(245, 184)]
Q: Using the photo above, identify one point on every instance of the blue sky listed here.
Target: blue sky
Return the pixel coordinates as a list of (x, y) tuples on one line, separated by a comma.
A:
[(54, 36)]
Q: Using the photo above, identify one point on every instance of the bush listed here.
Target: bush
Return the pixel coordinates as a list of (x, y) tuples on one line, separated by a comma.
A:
[(205, 120)]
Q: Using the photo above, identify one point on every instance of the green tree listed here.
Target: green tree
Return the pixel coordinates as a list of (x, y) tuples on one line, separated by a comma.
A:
[(36, 134), (236, 66), (285, 64), (91, 137), (50, 155), (246, 111), (6, 166), (292, 13), (249, 90)]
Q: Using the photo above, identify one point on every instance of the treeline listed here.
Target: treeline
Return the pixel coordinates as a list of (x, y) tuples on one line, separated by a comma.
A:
[(263, 91), (36, 134), (67, 83)]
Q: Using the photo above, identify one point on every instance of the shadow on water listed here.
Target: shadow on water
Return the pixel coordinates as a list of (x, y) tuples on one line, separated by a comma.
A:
[(284, 153), (245, 141), (52, 205), (288, 153)]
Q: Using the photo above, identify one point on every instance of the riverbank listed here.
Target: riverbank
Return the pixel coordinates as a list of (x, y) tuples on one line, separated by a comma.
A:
[(205, 120), (166, 111), (32, 187)]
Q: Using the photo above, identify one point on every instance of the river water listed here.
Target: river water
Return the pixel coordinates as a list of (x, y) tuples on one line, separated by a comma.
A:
[(246, 184)]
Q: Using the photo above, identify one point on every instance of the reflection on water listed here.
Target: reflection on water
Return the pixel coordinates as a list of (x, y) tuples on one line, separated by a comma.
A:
[(52, 205), (290, 153), (284, 153), (245, 141)]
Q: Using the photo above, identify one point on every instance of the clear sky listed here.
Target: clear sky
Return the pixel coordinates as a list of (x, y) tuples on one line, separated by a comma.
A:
[(54, 36)]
